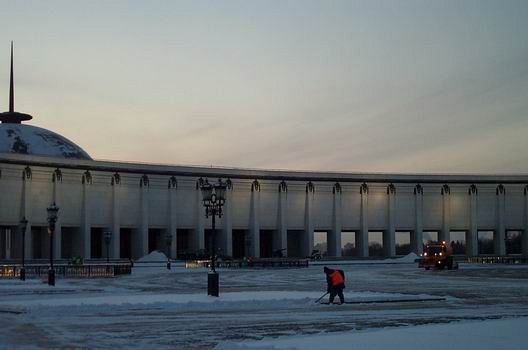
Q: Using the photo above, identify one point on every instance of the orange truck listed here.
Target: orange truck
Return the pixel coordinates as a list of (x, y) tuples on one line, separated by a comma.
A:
[(438, 255)]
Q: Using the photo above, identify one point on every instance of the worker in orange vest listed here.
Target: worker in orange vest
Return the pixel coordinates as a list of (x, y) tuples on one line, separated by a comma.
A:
[(336, 283)]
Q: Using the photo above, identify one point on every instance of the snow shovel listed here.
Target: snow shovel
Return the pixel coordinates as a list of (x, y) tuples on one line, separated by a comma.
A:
[(318, 300)]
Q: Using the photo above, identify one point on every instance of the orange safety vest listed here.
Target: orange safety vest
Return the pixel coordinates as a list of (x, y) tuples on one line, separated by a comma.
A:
[(336, 278)]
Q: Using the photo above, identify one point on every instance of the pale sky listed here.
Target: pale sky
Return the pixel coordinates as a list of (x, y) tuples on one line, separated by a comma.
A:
[(364, 86)]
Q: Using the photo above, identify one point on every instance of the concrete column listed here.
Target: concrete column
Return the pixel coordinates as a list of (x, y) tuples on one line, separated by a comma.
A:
[(417, 235), (280, 239), (362, 238), (86, 227), (334, 236), (57, 199), (25, 210), (8, 243), (143, 236), (199, 218), (500, 228), (445, 233), (525, 231), (472, 237), (115, 244), (254, 223), (172, 225), (308, 240), (226, 238), (389, 235)]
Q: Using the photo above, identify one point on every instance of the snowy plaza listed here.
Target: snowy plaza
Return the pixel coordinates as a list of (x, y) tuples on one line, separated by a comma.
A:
[(264, 175), (394, 302)]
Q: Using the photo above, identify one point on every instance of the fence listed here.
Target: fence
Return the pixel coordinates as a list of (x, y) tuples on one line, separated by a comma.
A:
[(67, 271), (513, 260), (261, 263)]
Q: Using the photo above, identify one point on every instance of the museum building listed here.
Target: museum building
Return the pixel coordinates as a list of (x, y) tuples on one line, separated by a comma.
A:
[(144, 206)]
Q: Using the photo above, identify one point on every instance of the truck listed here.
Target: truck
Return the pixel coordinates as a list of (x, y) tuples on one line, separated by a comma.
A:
[(438, 255)]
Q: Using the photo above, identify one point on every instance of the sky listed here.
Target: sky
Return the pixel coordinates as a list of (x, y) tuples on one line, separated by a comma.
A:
[(407, 86)]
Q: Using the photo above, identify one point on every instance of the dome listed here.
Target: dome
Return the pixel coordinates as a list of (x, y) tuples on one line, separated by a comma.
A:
[(32, 140), (16, 137)]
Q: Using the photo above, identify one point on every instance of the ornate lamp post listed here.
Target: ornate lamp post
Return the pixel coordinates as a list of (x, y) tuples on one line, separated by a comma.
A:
[(53, 211), (213, 200), (168, 241), (108, 239), (23, 228)]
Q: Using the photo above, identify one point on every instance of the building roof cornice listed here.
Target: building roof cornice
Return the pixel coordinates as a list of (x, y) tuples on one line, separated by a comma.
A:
[(234, 173)]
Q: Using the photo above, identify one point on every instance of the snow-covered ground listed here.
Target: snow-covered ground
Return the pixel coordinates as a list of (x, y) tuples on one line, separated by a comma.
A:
[(481, 335), (266, 309)]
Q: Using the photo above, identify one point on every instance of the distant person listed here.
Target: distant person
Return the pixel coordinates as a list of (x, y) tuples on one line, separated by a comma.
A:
[(336, 283)]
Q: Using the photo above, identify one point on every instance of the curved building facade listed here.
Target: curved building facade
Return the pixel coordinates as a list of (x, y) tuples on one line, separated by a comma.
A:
[(265, 210)]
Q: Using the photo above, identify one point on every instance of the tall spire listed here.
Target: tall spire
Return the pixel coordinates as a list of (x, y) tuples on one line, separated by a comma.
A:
[(12, 116), (11, 85)]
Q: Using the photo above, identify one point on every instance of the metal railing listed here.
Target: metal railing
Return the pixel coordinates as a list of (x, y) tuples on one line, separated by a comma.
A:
[(261, 263), (67, 271), (510, 260)]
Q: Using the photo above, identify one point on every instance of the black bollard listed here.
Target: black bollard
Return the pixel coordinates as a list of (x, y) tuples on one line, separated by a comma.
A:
[(51, 277), (212, 284)]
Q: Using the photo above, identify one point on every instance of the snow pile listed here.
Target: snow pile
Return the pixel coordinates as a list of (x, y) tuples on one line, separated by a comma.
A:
[(154, 256), (201, 301), (16, 286), (181, 299), (478, 335), (409, 258)]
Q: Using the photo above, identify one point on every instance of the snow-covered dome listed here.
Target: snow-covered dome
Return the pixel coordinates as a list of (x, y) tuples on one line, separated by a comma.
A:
[(16, 137), (28, 139)]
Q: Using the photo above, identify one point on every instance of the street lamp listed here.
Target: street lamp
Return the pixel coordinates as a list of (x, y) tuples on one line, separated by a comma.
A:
[(23, 228), (53, 211), (168, 241), (213, 197), (108, 239)]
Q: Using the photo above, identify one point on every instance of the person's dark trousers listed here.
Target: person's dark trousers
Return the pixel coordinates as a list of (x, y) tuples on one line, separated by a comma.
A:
[(339, 292)]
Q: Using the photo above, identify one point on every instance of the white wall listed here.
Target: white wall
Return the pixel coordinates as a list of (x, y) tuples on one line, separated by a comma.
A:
[(351, 207), (432, 207), (459, 207), (377, 207), (322, 209), (404, 208)]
